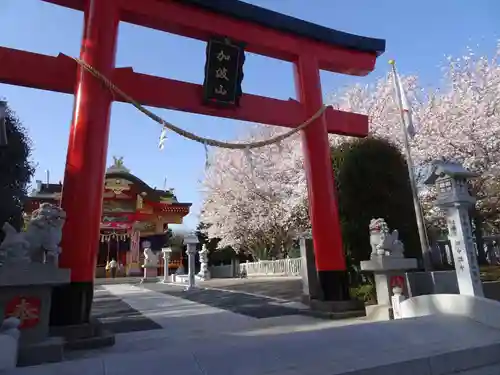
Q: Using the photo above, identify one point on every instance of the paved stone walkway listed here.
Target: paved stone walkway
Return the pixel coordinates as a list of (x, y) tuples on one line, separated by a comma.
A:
[(202, 339), (254, 306), (282, 287), (287, 288), (116, 315)]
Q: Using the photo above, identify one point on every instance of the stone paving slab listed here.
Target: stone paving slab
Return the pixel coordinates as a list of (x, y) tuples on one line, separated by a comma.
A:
[(117, 316), (183, 320), (487, 370), (423, 346), (200, 339), (280, 287), (254, 306), (287, 288)]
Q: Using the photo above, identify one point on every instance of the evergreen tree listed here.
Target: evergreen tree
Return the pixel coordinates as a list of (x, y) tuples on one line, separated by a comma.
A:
[(372, 181), (15, 172)]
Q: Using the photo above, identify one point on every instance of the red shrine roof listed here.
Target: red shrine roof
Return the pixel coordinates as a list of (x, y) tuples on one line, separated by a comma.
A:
[(120, 186), (272, 20)]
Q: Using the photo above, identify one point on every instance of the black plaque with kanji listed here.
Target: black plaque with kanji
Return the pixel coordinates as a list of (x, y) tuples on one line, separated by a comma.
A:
[(223, 72)]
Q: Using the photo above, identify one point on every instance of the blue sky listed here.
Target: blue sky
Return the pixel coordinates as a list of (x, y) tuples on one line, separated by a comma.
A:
[(419, 35)]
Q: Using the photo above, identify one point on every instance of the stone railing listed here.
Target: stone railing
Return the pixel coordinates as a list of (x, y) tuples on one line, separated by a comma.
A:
[(279, 267)]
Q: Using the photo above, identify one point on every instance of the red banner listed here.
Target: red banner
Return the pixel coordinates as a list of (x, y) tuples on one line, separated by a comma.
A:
[(135, 246)]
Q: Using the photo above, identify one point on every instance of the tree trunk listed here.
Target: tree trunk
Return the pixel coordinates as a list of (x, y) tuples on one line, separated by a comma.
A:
[(478, 224)]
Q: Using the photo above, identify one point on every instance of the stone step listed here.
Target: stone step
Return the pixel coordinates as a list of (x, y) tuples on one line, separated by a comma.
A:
[(488, 370), (333, 315)]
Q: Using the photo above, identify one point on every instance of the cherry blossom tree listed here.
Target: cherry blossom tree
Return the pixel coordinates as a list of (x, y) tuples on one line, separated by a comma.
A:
[(254, 200), (378, 103), (462, 123)]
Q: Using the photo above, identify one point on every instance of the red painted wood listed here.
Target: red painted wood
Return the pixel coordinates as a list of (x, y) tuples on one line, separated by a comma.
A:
[(193, 22), (88, 143), (201, 24), (58, 74), (28, 69), (323, 209)]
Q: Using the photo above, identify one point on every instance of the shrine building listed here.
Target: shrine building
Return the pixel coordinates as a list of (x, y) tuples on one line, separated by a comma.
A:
[(134, 214)]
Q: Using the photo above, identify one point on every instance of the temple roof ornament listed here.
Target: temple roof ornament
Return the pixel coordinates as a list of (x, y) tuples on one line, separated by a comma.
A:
[(117, 166)]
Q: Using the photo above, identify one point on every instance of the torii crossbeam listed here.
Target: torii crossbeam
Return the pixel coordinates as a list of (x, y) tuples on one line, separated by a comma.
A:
[(309, 47)]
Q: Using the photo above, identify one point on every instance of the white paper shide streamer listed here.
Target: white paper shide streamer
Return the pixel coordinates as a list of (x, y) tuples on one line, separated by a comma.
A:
[(163, 138)]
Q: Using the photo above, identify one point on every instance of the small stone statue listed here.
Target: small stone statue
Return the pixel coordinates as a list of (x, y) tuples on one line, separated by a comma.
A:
[(150, 258), (180, 270), (40, 242), (204, 273), (14, 248), (383, 242)]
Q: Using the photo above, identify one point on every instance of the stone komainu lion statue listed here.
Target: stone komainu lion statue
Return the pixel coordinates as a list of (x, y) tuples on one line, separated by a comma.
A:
[(382, 241), (150, 258), (40, 242), (14, 248)]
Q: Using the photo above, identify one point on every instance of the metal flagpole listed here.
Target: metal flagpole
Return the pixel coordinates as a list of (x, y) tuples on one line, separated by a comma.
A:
[(406, 123)]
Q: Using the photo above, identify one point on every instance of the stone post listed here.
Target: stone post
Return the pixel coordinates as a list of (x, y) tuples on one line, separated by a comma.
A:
[(397, 298), (191, 241), (311, 290), (450, 180), (166, 251)]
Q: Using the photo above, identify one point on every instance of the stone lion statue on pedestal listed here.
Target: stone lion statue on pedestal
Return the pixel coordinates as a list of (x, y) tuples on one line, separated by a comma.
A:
[(44, 233), (40, 242), (14, 248), (150, 258)]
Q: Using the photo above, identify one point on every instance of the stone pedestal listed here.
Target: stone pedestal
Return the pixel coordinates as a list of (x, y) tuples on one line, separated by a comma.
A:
[(134, 269), (150, 273), (384, 268), (166, 261), (191, 241), (25, 293), (191, 252)]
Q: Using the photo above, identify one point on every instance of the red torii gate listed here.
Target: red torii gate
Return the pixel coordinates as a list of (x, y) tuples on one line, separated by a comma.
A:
[(310, 47)]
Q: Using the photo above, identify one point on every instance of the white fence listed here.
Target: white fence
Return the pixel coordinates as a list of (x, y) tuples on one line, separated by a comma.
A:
[(280, 267)]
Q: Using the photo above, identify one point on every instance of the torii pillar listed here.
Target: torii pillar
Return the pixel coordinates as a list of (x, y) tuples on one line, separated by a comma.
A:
[(86, 165)]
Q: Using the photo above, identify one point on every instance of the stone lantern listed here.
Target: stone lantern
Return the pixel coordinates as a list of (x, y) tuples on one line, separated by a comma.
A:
[(453, 197), (191, 241)]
